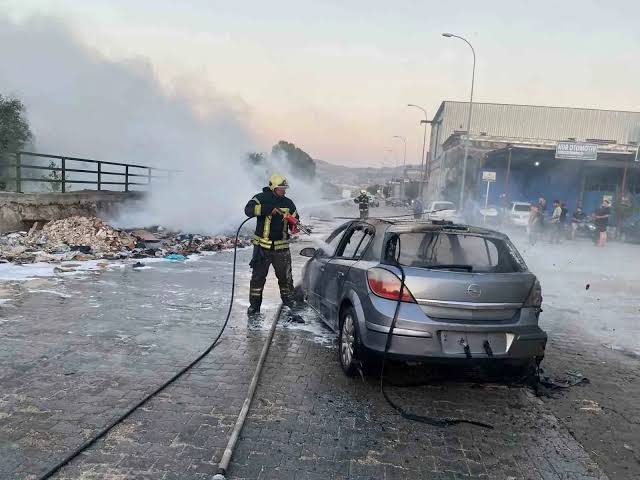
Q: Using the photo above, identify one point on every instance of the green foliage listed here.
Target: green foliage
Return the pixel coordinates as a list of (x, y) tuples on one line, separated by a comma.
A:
[(302, 165), (54, 175), (14, 133), (255, 158), (14, 129)]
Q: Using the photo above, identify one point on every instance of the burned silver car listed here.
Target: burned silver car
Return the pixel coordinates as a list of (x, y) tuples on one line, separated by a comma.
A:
[(468, 293)]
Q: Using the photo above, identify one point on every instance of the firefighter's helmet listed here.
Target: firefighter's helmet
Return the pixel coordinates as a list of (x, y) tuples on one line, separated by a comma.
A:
[(363, 192), (278, 181)]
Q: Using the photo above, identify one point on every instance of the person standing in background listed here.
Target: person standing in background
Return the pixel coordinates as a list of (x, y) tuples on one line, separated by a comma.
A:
[(563, 217), (533, 226), (556, 226), (602, 221), (577, 218), (542, 211)]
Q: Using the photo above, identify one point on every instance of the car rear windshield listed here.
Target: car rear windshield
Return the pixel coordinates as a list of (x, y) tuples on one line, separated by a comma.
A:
[(522, 208), (453, 251)]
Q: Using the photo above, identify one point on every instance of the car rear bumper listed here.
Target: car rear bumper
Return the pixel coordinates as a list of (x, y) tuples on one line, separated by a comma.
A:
[(418, 336), (527, 343)]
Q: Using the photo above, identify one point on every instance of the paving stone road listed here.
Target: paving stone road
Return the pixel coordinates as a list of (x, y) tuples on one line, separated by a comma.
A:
[(77, 351)]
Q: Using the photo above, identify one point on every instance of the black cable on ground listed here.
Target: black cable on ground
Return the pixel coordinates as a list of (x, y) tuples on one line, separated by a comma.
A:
[(69, 458), (434, 421)]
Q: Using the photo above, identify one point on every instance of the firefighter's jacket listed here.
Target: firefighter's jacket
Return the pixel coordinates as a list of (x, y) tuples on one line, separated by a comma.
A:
[(272, 231), (362, 200)]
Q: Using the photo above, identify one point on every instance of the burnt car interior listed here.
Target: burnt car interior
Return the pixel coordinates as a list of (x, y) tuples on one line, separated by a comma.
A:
[(455, 251)]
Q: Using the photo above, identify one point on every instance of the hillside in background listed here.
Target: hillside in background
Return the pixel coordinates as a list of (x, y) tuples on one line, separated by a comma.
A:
[(341, 175)]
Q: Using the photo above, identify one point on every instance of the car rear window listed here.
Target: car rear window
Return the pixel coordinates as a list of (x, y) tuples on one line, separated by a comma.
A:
[(453, 251), (522, 208)]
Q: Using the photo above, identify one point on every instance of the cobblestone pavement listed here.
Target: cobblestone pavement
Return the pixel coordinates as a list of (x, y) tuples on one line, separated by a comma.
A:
[(75, 359)]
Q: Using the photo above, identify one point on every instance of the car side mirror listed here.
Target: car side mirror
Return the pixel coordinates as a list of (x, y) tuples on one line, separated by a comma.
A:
[(308, 252)]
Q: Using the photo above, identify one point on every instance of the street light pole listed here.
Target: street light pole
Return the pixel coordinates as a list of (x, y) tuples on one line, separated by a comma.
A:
[(404, 162), (466, 143), (423, 160)]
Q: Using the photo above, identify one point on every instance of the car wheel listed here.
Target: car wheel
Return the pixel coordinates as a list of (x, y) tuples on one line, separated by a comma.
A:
[(349, 347)]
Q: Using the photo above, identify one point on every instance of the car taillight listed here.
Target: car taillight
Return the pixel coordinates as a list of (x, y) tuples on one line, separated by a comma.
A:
[(386, 284), (535, 296)]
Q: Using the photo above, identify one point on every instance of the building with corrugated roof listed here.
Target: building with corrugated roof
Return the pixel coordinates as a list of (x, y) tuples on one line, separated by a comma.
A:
[(597, 158)]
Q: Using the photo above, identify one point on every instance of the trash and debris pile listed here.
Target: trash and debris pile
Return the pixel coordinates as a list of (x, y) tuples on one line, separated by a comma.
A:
[(89, 238), (88, 234)]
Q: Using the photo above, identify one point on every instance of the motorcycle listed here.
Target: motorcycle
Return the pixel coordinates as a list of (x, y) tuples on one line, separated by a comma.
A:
[(585, 229)]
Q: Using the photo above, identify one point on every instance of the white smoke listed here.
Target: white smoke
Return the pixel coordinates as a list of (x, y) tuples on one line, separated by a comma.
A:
[(79, 103)]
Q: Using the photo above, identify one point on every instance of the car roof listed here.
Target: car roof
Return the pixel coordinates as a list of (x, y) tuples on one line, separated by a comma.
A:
[(406, 225)]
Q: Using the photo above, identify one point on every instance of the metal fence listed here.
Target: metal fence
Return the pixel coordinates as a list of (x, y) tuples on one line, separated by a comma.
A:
[(63, 171)]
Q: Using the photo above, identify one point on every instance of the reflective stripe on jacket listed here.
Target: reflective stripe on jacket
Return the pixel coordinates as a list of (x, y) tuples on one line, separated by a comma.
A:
[(272, 231)]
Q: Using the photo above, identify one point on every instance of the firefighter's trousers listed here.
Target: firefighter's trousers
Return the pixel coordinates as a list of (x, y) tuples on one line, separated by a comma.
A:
[(281, 261)]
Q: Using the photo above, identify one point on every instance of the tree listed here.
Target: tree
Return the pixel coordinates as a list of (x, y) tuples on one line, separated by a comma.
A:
[(302, 165), (55, 176), (255, 158), (373, 189), (14, 132)]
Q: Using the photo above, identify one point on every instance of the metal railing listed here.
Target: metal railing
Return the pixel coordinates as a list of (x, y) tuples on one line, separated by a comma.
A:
[(63, 171)]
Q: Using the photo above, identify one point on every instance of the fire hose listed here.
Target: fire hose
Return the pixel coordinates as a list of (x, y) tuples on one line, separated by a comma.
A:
[(436, 422)]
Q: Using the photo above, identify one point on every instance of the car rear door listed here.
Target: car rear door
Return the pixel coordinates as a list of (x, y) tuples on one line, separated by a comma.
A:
[(349, 251)]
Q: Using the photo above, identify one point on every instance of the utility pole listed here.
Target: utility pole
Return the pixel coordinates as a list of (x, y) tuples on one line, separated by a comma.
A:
[(466, 143)]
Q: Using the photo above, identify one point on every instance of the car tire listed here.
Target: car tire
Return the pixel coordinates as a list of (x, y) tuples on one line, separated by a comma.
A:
[(349, 345)]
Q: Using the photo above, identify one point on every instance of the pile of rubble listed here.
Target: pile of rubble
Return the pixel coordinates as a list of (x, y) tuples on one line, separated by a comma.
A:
[(89, 238)]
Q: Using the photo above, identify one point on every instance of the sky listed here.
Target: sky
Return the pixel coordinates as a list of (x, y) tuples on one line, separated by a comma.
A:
[(335, 77)]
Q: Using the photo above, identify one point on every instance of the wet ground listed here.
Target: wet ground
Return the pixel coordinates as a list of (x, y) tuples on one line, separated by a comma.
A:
[(77, 350)]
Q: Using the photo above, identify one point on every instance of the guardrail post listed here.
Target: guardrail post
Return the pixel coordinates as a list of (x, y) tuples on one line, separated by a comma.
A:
[(99, 176), (64, 175), (18, 173), (126, 178)]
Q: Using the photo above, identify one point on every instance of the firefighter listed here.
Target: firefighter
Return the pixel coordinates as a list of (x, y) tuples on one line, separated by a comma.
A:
[(271, 241), (363, 203)]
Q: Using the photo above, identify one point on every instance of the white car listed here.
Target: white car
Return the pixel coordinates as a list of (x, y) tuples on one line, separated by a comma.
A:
[(442, 210), (519, 213)]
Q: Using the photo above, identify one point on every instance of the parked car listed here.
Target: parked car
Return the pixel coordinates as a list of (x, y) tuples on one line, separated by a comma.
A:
[(373, 201), (394, 202), (468, 293), (518, 214), (441, 210), (630, 229), (490, 215)]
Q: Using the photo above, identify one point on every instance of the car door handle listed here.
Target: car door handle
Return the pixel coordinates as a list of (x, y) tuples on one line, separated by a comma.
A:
[(340, 274), (322, 269)]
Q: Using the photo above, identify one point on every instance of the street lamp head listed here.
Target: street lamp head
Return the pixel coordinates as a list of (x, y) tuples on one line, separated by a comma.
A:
[(448, 35)]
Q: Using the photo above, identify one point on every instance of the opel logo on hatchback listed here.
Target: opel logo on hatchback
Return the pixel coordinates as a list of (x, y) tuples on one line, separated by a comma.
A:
[(474, 290)]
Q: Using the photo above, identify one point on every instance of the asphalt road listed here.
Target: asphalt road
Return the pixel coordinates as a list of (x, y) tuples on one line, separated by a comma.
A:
[(77, 350)]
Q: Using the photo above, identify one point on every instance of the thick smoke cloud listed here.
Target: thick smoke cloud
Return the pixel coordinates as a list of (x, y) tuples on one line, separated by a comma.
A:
[(80, 103)]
